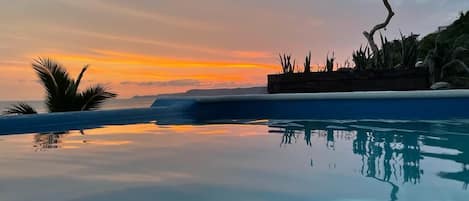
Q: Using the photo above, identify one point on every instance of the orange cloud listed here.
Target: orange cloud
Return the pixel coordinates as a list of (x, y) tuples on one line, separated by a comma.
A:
[(113, 57), (252, 54), (151, 68), (131, 74), (239, 54)]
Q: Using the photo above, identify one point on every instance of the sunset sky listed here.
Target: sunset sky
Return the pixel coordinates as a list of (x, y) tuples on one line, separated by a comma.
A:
[(145, 47)]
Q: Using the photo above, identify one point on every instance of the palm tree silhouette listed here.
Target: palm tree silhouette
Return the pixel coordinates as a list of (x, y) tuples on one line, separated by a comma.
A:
[(62, 91), (20, 108)]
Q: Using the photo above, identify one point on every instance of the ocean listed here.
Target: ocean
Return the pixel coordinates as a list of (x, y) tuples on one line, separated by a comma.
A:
[(139, 102)]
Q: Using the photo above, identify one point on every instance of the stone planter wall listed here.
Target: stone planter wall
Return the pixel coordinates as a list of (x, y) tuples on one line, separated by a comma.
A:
[(389, 80)]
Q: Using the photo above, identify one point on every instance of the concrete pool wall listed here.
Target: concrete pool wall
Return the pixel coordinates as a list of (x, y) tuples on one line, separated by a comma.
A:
[(409, 105)]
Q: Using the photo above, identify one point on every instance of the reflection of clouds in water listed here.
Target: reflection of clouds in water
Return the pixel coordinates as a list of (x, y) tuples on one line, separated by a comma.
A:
[(107, 136), (156, 177), (311, 154), (221, 129)]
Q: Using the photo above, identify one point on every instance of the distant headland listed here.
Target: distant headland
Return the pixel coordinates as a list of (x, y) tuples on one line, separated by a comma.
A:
[(214, 92)]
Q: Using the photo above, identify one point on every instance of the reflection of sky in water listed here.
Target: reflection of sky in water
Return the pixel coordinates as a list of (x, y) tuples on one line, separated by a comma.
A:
[(281, 161)]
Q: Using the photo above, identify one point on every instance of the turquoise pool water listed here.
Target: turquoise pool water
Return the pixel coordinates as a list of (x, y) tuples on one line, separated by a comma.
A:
[(252, 160)]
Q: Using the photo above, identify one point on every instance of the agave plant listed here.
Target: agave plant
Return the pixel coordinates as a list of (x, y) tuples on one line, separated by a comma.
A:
[(307, 63), (287, 65), (409, 51), (62, 91), (400, 53), (362, 58), (330, 62), (384, 58)]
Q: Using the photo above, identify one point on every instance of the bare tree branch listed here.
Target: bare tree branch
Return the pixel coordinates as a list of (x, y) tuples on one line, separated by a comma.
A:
[(370, 35)]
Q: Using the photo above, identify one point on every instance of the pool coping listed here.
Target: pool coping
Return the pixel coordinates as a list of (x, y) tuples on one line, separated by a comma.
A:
[(424, 94)]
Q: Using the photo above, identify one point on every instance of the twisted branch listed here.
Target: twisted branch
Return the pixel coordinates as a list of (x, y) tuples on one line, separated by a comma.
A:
[(370, 35)]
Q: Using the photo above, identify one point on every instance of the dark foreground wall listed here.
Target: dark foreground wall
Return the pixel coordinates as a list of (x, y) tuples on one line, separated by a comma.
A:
[(393, 80)]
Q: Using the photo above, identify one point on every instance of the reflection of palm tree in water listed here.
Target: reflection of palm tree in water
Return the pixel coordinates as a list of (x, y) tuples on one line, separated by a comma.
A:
[(43, 141)]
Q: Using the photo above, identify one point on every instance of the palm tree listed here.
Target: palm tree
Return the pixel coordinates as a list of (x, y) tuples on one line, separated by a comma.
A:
[(62, 91)]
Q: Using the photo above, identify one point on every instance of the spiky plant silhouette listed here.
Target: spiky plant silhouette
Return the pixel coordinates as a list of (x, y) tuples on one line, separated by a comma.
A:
[(307, 63), (20, 108), (63, 93), (287, 66)]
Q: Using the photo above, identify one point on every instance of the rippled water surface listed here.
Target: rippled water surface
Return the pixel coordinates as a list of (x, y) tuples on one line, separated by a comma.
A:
[(261, 160)]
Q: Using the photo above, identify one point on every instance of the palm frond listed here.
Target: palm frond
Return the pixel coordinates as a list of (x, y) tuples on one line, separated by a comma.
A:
[(62, 91), (73, 89), (20, 108), (77, 82), (94, 97), (58, 84)]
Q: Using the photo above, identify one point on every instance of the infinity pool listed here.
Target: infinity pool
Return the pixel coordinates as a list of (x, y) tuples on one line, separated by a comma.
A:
[(257, 160)]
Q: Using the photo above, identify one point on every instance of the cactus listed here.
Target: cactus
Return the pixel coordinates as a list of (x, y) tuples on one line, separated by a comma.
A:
[(287, 66), (307, 63), (330, 62)]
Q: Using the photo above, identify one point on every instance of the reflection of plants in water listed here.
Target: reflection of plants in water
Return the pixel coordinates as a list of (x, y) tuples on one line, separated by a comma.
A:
[(331, 136), (308, 137), (399, 156), (45, 141), (385, 157), (453, 142), (288, 135), (462, 176), (390, 157), (330, 139)]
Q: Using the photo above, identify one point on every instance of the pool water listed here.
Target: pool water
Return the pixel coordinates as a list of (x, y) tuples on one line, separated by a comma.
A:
[(257, 160)]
